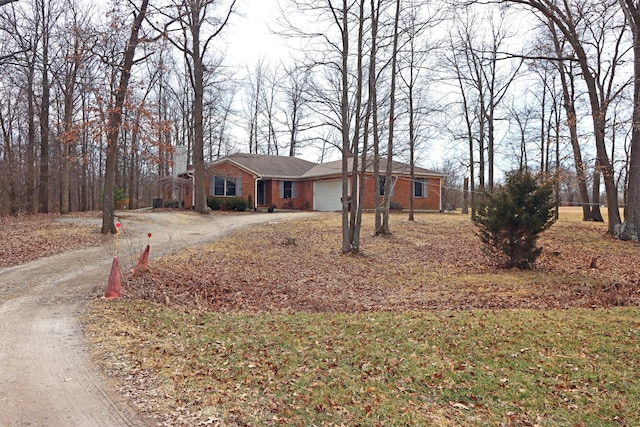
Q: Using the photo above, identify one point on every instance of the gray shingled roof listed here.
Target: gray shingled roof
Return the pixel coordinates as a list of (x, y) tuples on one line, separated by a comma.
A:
[(335, 168), (267, 166)]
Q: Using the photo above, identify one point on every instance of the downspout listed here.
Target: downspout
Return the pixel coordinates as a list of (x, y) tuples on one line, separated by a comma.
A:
[(440, 191), (255, 193), (394, 180), (193, 190)]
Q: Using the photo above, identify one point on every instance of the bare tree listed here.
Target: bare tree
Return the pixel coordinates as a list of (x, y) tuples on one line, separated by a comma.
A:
[(8, 165), (388, 182), (25, 35), (599, 80), (413, 65), (522, 116), (470, 119), (46, 18), (332, 27), (269, 102), (254, 82), (220, 113), (295, 89), (115, 119), (630, 229), (73, 59), (197, 29), (477, 61), (567, 80)]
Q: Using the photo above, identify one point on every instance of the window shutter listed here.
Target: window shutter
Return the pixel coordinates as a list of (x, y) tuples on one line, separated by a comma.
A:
[(238, 187), (294, 190), (212, 185), (281, 189)]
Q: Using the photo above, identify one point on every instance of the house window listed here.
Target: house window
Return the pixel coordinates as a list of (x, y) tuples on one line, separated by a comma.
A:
[(219, 186), (383, 180), (420, 187), (288, 189)]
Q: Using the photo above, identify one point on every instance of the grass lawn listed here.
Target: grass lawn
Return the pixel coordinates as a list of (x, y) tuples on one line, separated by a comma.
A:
[(220, 335)]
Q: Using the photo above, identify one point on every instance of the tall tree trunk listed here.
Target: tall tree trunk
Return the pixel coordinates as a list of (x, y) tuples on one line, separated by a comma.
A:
[(469, 127), (69, 137), (565, 23), (30, 199), (198, 128), (412, 149), (343, 23), (544, 136), (630, 229), (596, 215), (196, 52), (10, 164), (373, 94), (566, 81), (84, 168), (606, 168), (133, 150), (44, 116), (115, 120), (481, 146), (371, 83), (355, 220), (491, 142), (388, 183)]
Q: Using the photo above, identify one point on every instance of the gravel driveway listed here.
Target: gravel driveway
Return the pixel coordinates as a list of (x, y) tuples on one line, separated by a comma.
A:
[(46, 375)]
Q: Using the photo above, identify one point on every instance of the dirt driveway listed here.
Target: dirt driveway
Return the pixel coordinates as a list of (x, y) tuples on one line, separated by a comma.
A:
[(46, 376)]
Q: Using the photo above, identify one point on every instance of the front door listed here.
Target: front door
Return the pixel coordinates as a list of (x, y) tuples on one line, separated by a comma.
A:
[(260, 194)]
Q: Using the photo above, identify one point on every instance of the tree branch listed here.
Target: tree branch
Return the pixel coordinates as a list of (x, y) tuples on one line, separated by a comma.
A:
[(507, 55)]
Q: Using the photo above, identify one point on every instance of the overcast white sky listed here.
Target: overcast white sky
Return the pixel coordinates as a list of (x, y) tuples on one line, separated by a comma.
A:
[(249, 36)]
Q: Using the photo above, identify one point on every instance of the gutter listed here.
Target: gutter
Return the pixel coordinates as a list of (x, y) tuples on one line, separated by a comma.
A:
[(193, 190)]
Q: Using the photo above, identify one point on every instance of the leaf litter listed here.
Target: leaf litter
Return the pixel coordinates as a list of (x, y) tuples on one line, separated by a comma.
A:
[(28, 237), (435, 263), (274, 326)]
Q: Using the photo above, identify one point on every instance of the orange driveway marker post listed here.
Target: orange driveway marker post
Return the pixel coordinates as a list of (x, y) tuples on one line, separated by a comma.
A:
[(114, 285), (143, 262)]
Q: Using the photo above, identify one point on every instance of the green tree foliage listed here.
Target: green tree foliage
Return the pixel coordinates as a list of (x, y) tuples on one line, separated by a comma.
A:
[(510, 220), (119, 195)]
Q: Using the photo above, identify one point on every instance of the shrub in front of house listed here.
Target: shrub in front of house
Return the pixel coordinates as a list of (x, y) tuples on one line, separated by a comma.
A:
[(234, 204), (227, 203), (213, 203), (171, 203)]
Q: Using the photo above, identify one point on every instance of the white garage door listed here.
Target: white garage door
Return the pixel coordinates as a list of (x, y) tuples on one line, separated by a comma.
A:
[(326, 195)]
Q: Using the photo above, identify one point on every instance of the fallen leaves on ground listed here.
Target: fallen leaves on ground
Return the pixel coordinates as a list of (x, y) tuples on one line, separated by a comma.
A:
[(28, 237), (435, 262), (264, 332)]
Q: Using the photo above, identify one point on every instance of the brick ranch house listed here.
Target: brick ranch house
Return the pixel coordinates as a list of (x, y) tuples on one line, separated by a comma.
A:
[(293, 183)]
